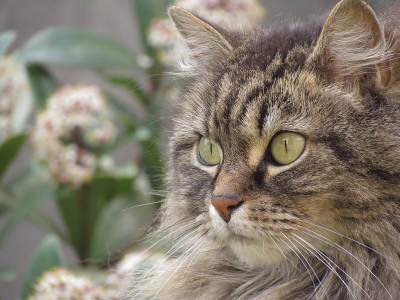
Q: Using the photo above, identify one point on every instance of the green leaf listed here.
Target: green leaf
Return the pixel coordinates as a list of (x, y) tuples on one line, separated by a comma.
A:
[(68, 204), (127, 116), (127, 171), (44, 222), (8, 275), (117, 226), (132, 86), (43, 84), (7, 202), (10, 203), (47, 256), (105, 188), (6, 38), (9, 149), (3, 209), (32, 177), (81, 208), (149, 139), (154, 163), (76, 48), (6, 199), (29, 191)]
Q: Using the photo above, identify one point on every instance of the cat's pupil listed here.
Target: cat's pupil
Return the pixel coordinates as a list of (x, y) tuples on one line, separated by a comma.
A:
[(208, 153), (286, 147)]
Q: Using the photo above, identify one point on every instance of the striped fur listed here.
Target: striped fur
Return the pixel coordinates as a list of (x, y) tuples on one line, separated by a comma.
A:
[(326, 226)]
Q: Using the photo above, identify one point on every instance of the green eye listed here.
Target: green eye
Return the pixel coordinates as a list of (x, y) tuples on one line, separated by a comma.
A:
[(208, 153), (286, 147)]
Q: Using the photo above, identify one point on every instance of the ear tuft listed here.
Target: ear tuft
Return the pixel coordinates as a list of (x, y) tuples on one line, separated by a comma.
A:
[(352, 45), (206, 45)]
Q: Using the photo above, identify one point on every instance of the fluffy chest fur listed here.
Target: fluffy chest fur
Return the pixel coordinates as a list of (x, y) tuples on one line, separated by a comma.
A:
[(284, 163)]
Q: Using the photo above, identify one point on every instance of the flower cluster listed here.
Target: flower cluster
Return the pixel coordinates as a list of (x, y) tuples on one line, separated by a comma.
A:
[(62, 284), (12, 85), (70, 131), (225, 13)]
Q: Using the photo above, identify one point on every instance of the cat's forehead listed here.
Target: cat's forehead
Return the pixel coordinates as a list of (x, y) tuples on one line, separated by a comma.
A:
[(251, 104), (267, 87)]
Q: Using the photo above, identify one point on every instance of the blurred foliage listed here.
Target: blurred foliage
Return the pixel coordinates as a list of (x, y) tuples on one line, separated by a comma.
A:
[(48, 255), (98, 220)]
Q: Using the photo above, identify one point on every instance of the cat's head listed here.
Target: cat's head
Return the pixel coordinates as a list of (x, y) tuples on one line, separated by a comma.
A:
[(287, 139)]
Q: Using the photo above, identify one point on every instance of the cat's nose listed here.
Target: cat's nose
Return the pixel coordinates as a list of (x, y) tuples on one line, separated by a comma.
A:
[(225, 206)]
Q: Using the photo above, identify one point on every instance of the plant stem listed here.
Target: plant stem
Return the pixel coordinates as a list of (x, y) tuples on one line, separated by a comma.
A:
[(85, 225)]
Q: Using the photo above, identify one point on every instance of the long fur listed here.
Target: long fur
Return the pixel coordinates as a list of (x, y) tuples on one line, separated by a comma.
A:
[(325, 226)]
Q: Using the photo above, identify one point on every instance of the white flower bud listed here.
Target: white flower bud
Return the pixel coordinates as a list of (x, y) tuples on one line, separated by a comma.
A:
[(12, 86), (224, 13), (67, 134)]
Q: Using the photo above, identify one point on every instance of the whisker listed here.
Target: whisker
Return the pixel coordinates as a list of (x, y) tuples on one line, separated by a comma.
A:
[(335, 245), (186, 232), (177, 239), (177, 245), (295, 252), (161, 261), (183, 220), (315, 223), (165, 237), (161, 230), (325, 262), (184, 257), (287, 259), (140, 205), (300, 252), (191, 263)]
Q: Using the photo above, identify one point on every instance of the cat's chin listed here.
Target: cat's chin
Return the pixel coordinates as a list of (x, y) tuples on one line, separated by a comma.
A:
[(254, 251), (254, 254)]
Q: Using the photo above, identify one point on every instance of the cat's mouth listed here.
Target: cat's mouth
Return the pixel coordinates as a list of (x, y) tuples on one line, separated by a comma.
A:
[(251, 242), (244, 223)]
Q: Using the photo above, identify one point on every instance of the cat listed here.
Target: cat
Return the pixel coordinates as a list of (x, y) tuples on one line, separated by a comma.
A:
[(284, 162)]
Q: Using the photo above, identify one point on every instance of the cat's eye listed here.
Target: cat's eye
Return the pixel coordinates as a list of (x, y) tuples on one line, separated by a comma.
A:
[(286, 147), (208, 153)]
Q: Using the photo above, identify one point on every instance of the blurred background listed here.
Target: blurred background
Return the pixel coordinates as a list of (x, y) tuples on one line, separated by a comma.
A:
[(135, 164)]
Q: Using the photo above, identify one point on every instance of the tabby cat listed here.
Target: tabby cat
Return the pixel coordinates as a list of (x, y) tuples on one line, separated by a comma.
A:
[(284, 162)]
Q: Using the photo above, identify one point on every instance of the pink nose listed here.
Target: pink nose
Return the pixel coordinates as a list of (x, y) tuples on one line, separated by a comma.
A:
[(225, 206)]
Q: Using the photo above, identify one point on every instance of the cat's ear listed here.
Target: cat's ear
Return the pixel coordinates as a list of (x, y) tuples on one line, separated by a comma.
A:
[(206, 43), (352, 46)]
